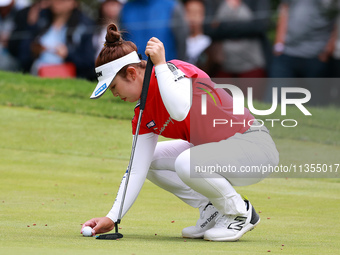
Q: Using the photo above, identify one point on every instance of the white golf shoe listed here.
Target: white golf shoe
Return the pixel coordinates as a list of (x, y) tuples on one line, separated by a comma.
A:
[(232, 227), (205, 222)]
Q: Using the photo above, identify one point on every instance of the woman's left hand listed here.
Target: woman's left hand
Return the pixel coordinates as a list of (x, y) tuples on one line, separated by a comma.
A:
[(155, 50), (62, 51), (99, 225)]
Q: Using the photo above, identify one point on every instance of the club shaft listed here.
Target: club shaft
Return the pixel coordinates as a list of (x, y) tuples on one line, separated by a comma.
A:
[(129, 167), (144, 93)]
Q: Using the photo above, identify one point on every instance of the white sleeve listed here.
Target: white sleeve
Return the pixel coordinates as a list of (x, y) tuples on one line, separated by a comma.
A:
[(144, 151), (175, 93)]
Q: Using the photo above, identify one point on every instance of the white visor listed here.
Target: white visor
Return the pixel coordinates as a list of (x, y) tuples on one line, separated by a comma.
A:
[(106, 73)]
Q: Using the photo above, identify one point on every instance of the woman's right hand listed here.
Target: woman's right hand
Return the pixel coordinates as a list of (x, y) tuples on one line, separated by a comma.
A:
[(99, 225), (155, 50)]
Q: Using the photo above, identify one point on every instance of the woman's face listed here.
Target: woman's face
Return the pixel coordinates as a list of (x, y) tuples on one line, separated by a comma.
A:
[(60, 7), (111, 10), (195, 12), (130, 88)]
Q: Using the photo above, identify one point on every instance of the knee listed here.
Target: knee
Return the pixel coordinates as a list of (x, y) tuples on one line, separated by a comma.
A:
[(156, 159), (182, 166)]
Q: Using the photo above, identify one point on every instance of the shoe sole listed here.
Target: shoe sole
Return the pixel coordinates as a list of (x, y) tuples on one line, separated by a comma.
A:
[(194, 237), (250, 227)]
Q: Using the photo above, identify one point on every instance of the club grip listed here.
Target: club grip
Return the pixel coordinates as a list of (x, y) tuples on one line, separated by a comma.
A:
[(146, 82)]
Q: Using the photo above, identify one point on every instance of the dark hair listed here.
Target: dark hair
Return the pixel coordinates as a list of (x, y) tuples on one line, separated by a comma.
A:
[(115, 47)]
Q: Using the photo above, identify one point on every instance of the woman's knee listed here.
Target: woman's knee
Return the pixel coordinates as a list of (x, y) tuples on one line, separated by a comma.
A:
[(182, 166), (166, 153)]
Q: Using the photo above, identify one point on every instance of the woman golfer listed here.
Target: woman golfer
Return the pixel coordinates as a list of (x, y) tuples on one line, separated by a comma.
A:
[(207, 158)]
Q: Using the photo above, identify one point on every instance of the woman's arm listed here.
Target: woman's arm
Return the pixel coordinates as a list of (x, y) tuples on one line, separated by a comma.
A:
[(144, 151), (175, 92), (175, 89), (330, 46), (281, 29)]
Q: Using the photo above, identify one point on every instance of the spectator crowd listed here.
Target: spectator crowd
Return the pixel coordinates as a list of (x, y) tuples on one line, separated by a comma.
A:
[(225, 38)]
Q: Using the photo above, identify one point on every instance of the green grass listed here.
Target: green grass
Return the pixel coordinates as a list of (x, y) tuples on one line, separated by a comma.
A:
[(322, 127), (62, 165), (70, 95)]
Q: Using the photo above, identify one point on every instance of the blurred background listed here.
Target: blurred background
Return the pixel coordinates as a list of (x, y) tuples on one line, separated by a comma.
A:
[(262, 39)]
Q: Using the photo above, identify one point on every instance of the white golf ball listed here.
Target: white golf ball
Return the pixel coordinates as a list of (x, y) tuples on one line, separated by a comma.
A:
[(87, 231)]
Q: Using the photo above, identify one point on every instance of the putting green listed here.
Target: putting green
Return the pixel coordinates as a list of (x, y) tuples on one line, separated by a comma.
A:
[(60, 169)]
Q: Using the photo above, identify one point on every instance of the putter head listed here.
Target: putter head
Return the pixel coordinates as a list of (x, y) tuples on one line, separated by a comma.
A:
[(113, 236)]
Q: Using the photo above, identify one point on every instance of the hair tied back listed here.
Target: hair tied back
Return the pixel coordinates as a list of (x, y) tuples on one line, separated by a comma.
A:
[(113, 36)]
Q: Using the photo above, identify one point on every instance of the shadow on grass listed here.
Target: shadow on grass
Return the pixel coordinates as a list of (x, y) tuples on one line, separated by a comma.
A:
[(179, 239)]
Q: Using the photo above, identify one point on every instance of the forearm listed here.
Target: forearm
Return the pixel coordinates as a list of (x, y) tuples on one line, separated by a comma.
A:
[(281, 28), (176, 94), (144, 151), (330, 46)]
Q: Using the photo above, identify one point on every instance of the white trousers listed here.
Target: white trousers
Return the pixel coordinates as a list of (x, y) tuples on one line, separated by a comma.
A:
[(174, 162)]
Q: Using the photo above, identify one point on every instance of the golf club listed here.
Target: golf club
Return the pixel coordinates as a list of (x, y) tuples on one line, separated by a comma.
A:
[(145, 88)]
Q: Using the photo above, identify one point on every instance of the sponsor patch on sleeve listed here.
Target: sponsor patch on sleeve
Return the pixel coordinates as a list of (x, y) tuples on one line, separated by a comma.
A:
[(178, 74), (151, 124)]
